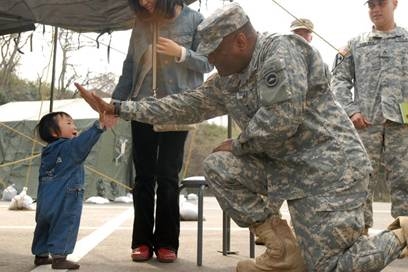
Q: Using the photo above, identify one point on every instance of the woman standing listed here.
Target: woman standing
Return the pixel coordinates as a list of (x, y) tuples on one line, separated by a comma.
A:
[(158, 156)]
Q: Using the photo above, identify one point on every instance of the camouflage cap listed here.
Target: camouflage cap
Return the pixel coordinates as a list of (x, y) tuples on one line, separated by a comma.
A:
[(219, 24), (372, 2), (301, 23)]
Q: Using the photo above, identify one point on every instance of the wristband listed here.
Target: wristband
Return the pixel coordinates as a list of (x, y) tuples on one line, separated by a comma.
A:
[(116, 108)]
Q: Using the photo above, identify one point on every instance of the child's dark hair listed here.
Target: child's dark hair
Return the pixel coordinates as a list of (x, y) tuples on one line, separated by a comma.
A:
[(48, 126), (165, 9)]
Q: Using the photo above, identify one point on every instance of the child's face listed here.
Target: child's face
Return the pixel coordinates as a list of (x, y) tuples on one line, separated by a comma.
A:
[(67, 127)]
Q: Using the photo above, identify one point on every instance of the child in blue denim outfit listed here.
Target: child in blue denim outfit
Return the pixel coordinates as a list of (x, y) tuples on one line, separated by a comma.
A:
[(61, 186)]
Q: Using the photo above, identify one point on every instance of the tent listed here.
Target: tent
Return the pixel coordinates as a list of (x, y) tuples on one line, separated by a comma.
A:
[(109, 169), (99, 16), (81, 16)]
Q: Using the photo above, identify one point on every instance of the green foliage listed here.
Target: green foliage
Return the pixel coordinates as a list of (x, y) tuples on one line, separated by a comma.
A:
[(3, 98), (18, 90)]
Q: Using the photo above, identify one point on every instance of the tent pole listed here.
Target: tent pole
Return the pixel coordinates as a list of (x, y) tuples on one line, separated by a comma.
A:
[(54, 57), (226, 222)]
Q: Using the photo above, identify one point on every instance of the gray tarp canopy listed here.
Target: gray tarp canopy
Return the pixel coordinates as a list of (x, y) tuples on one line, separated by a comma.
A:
[(78, 15)]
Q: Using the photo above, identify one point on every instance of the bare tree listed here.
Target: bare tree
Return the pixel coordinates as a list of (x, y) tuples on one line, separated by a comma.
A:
[(103, 82), (10, 55), (69, 43)]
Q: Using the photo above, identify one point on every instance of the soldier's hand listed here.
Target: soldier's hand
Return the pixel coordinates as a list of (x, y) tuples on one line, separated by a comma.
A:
[(87, 96), (360, 121), (97, 103), (224, 146)]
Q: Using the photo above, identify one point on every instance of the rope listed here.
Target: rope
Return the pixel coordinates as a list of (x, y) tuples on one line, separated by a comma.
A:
[(317, 34), (18, 161), (107, 177), (21, 134)]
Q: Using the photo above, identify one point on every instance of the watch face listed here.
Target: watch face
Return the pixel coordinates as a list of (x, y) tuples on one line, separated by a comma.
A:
[(116, 108)]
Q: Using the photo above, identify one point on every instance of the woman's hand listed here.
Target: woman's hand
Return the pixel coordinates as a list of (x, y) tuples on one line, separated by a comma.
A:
[(168, 47)]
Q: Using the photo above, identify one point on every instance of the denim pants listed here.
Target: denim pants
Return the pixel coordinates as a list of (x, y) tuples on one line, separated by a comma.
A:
[(57, 218), (158, 159)]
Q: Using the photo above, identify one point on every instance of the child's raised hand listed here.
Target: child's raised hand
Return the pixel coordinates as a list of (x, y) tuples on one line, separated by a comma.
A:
[(107, 120)]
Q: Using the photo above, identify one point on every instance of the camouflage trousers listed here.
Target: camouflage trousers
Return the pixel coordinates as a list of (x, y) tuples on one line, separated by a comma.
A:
[(328, 227), (387, 146)]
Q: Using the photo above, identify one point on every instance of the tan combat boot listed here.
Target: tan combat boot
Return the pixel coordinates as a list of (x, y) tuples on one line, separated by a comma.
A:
[(400, 228), (282, 250)]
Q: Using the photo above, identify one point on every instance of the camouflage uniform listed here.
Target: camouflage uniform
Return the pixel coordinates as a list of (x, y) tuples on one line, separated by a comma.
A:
[(376, 65), (296, 144)]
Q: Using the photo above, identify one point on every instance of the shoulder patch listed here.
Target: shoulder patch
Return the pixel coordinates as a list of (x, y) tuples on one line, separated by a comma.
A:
[(271, 79), (342, 53), (273, 84)]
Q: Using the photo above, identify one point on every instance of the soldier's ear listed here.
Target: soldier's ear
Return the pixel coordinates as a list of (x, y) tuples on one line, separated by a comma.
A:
[(395, 2), (241, 41)]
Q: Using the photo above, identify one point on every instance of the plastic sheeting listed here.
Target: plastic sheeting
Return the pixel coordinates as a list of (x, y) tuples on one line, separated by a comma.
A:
[(78, 15)]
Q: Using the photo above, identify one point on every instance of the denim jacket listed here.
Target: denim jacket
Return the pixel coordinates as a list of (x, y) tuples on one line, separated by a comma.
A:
[(62, 166), (172, 77)]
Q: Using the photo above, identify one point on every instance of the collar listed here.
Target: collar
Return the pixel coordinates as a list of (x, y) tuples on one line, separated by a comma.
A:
[(252, 67), (396, 32)]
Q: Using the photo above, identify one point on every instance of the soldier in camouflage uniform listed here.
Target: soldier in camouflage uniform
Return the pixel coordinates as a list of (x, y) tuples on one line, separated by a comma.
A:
[(375, 64), (303, 27), (296, 144)]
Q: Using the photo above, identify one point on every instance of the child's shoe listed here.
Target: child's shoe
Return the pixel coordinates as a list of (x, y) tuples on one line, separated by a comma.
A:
[(61, 262), (42, 260)]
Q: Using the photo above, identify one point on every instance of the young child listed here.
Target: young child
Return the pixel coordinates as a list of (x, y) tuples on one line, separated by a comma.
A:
[(61, 186)]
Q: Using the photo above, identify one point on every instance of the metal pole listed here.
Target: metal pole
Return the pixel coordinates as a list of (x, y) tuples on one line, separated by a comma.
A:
[(226, 220), (251, 245), (54, 58)]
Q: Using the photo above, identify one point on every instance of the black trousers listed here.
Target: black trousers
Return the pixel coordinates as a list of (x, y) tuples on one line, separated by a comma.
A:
[(158, 159)]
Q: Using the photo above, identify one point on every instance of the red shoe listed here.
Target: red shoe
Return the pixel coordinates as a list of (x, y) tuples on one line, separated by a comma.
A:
[(165, 255), (141, 254)]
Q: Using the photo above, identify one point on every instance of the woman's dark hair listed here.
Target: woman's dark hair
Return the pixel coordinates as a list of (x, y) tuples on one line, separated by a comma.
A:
[(48, 125), (165, 9)]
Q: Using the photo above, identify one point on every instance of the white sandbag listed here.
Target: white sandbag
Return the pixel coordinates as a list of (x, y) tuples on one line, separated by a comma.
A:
[(192, 198), (22, 201), (188, 210), (97, 200), (124, 199), (182, 199), (9, 192)]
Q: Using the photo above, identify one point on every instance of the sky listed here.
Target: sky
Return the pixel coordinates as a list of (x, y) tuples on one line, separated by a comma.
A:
[(335, 23)]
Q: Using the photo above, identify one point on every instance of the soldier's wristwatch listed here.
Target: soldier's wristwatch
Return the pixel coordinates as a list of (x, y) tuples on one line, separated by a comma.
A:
[(116, 108)]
